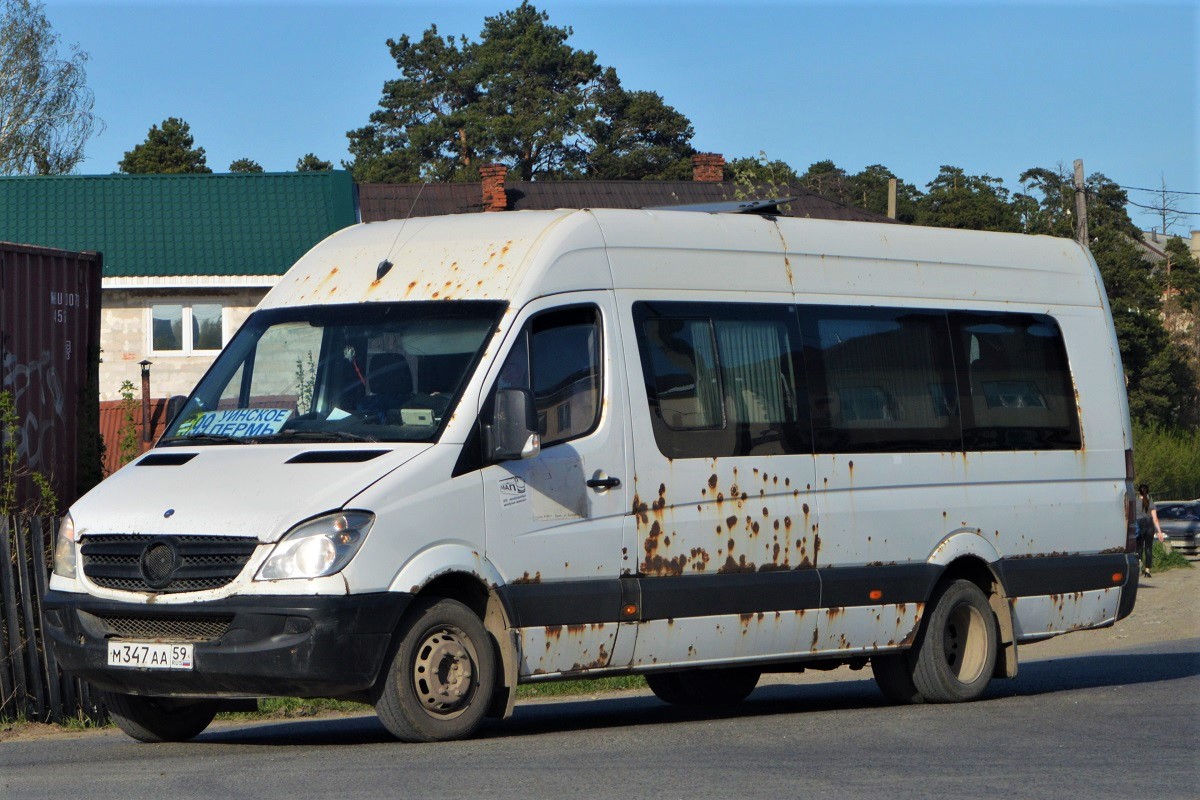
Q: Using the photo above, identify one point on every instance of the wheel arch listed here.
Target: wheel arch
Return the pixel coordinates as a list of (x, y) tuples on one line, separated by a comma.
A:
[(459, 573)]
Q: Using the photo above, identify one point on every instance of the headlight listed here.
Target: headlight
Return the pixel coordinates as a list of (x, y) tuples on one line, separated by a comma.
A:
[(64, 548), (319, 547)]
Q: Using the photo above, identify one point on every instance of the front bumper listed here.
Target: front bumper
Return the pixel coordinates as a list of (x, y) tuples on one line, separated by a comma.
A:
[(294, 646), (1186, 543)]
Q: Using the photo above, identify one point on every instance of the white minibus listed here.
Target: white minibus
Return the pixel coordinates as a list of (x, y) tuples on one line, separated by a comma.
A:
[(447, 456)]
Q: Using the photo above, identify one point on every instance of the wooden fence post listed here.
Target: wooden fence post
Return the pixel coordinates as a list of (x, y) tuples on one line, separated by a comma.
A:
[(11, 648)]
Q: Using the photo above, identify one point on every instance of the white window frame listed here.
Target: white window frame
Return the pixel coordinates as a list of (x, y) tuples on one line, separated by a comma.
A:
[(187, 304)]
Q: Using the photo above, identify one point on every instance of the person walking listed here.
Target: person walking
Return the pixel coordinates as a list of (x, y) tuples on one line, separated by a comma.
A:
[(1148, 528)]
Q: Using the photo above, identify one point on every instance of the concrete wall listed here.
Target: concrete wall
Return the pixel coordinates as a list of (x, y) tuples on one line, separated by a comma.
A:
[(125, 338)]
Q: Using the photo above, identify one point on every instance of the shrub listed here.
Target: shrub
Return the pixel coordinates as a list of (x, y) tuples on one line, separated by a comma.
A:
[(1168, 459)]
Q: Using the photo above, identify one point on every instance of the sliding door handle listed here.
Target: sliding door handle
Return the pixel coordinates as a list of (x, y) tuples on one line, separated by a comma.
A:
[(603, 483)]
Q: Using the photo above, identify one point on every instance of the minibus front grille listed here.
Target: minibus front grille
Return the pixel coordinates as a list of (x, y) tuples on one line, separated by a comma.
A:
[(164, 564), (167, 629)]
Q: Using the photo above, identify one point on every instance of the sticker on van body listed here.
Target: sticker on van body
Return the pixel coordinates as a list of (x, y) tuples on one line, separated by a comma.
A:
[(513, 491), (236, 422)]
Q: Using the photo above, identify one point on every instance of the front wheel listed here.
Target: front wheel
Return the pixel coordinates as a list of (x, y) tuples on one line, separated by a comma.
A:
[(704, 687), (440, 682), (159, 719)]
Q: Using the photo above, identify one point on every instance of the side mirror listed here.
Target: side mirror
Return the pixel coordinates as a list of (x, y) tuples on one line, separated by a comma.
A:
[(174, 406), (513, 432)]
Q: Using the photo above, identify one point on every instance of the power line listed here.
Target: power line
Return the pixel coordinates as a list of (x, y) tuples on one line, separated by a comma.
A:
[(1157, 191), (1159, 208)]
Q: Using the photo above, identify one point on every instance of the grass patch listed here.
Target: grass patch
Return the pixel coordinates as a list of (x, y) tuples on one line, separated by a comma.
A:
[(1165, 560), (294, 708), (298, 708), (623, 683)]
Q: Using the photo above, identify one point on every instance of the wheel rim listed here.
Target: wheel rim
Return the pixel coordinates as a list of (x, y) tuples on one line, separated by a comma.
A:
[(964, 642), (444, 673)]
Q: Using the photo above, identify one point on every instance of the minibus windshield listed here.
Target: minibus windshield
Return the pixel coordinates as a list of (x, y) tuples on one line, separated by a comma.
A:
[(367, 372)]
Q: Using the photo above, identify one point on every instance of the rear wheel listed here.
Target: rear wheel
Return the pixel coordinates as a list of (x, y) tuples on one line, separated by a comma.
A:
[(956, 649), (954, 655), (440, 682), (704, 687), (159, 719)]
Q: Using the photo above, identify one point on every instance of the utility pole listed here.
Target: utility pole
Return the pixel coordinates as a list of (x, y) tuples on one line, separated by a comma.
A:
[(1081, 228), (891, 198)]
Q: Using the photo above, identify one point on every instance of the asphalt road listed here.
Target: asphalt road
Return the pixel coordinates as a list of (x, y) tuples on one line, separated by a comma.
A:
[(1120, 724)]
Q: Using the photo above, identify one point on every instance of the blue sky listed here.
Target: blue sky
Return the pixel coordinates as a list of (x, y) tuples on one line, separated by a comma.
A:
[(991, 87)]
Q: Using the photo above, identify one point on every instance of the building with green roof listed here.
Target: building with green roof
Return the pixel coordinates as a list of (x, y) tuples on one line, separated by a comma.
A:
[(186, 257)]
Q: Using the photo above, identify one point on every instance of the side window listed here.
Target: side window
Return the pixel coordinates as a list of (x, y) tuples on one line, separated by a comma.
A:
[(1014, 369), (557, 357), (722, 379), (881, 379)]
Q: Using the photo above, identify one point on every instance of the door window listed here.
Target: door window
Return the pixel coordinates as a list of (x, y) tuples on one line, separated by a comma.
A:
[(557, 357)]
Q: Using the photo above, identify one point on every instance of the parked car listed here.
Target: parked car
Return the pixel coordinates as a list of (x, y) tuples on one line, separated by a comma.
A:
[(1180, 522)]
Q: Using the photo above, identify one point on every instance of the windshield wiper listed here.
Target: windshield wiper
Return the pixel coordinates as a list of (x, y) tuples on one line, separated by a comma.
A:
[(315, 436), (201, 438)]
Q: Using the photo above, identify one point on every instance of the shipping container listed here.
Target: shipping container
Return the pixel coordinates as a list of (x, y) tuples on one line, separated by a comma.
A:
[(49, 364)]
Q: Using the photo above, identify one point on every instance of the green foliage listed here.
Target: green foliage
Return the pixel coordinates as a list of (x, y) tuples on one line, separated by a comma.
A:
[(11, 471), (128, 445), (167, 151), (760, 177), (8, 454), (869, 190), (306, 379), (310, 163), (47, 502), (828, 180), (636, 136), (958, 200), (294, 707), (1182, 273), (245, 165), (521, 96), (45, 106), (1165, 559), (622, 683), (1168, 459)]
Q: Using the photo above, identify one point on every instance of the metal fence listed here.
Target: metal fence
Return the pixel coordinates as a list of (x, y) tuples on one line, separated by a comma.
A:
[(32, 686)]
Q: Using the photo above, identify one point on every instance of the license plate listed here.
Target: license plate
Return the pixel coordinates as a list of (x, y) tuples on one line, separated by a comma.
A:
[(149, 655)]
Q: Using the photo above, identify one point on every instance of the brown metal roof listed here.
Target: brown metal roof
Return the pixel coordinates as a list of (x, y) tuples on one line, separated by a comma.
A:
[(382, 201)]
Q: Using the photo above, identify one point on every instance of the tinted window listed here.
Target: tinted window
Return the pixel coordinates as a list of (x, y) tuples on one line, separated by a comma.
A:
[(1013, 369), (722, 379), (880, 380), (557, 356)]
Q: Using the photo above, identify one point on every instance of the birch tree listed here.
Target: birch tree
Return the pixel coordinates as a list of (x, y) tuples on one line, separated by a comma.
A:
[(45, 105)]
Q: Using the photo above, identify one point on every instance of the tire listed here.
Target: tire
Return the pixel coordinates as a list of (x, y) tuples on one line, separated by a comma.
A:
[(955, 652), (159, 719), (440, 681), (893, 676), (704, 687)]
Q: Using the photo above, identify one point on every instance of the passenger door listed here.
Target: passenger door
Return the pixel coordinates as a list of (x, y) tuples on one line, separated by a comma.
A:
[(554, 521)]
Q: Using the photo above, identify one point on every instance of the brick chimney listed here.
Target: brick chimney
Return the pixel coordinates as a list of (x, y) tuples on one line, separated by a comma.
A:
[(494, 198), (708, 167)]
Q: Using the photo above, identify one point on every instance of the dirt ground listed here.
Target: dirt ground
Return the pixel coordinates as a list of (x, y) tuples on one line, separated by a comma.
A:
[(1167, 609)]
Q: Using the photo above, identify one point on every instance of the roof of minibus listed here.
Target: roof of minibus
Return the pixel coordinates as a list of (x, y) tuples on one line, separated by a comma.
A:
[(519, 255)]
